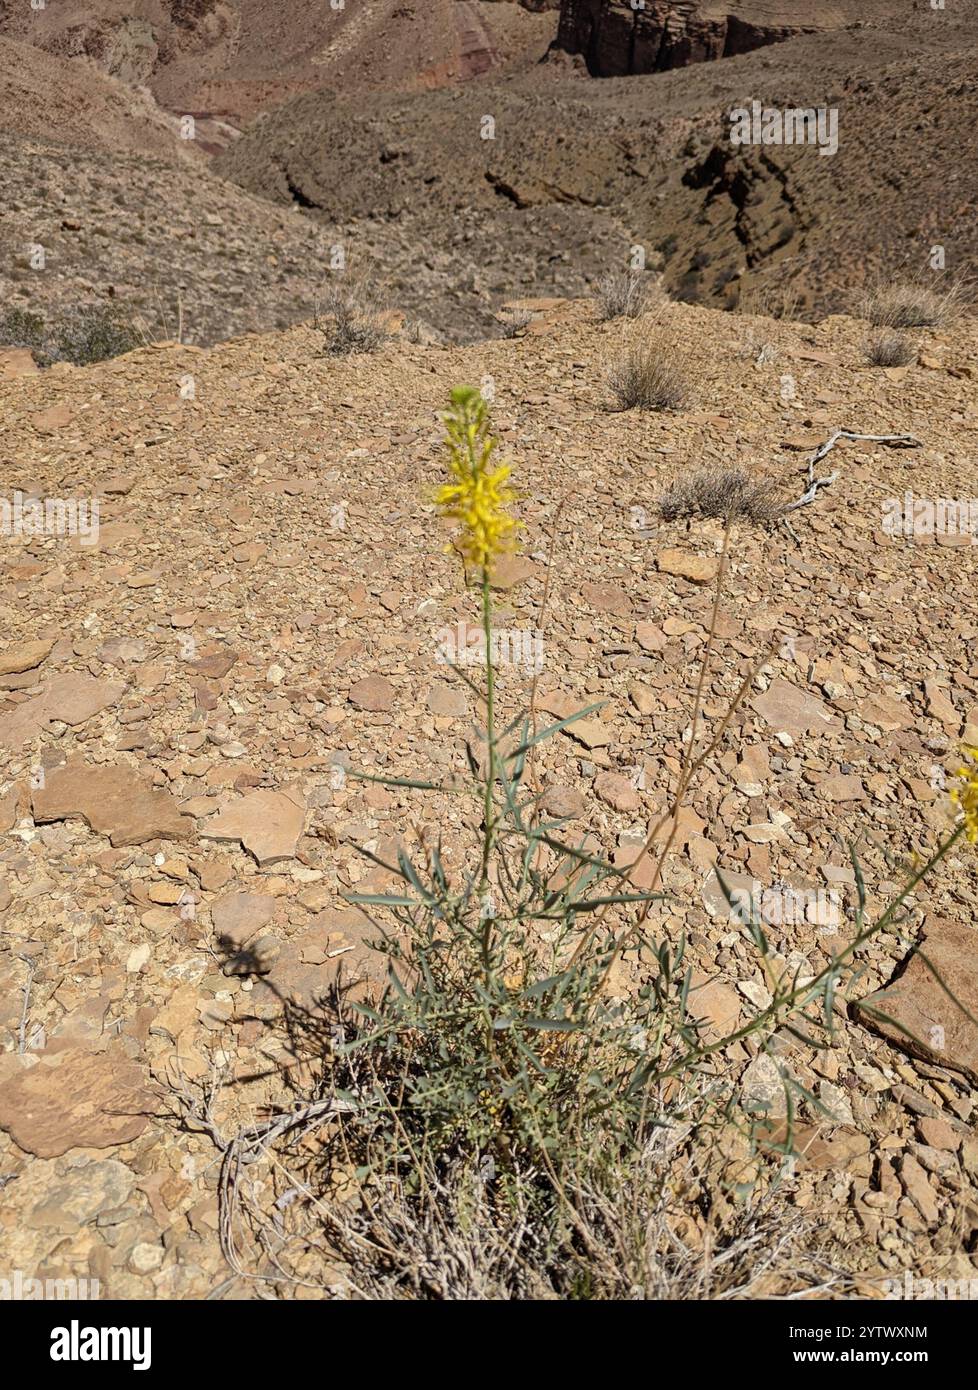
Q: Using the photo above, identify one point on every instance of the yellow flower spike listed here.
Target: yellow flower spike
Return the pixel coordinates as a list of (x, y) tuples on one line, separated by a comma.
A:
[(479, 496), (965, 795)]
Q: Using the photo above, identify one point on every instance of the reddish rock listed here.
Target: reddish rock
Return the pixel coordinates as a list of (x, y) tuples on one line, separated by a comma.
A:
[(73, 1099), (617, 38), (115, 801), (375, 694), (928, 1008)]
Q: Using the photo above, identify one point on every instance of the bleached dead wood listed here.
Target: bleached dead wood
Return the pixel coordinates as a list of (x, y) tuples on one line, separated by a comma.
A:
[(815, 485)]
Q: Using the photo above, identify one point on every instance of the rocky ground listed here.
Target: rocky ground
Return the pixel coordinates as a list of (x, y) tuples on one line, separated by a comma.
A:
[(263, 611)]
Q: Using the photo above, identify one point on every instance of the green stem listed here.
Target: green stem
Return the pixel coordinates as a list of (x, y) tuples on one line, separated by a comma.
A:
[(775, 1012), (489, 839)]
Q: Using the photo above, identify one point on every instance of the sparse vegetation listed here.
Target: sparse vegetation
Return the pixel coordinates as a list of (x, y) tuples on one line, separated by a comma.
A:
[(355, 321), (650, 374), (530, 1104), (83, 335), (516, 321), (913, 303), (890, 350), (623, 294), (721, 493)]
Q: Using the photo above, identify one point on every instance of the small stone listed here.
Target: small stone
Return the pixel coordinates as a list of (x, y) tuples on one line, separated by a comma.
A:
[(563, 802), (642, 697), (145, 1258), (375, 694), (698, 569), (616, 791), (447, 700), (938, 1134), (650, 637)]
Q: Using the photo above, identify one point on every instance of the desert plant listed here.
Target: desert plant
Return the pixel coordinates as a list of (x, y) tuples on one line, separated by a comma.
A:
[(650, 374), (81, 335), (890, 350), (516, 320), (504, 1116), (622, 294), (913, 303), (355, 319), (721, 493)]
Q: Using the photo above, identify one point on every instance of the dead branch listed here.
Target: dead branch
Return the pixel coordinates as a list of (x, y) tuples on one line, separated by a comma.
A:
[(906, 441)]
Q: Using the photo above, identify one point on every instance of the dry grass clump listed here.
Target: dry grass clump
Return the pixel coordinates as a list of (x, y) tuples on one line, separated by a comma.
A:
[(515, 320), (890, 350), (650, 374), (913, 304), (355, 319), (722, 493), (623, 294)]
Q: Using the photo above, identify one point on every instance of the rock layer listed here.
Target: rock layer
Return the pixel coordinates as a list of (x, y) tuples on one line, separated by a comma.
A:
[(616, 39)]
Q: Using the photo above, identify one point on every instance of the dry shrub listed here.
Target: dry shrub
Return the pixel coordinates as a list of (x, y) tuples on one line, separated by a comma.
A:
[(721, 493), (890, 350), (650, 374), (515, 320), (356, 319), (623, 294), (913, 304)]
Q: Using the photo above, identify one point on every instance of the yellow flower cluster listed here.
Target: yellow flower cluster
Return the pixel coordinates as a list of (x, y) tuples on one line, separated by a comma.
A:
[(479, 496), (965, 795)]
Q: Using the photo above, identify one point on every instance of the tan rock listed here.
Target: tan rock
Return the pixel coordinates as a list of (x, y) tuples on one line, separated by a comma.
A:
[(56, 417), (698, 569), (237, 917), (115, 801), (792, 711), (650, 637), (268, 824), (23, 656), (73, 1099), (17, 362), (71, 698)]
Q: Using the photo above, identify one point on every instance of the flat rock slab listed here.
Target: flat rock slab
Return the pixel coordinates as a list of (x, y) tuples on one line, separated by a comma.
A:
[(23, 656), (115, 801), (237, 917), (792, 711), (267, 823), (698, 569), (73, 1100), (71, 698), (918, 1013)]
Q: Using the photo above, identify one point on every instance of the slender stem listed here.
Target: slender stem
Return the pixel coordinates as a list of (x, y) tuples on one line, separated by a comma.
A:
[(775, 1011), (489, 838)]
